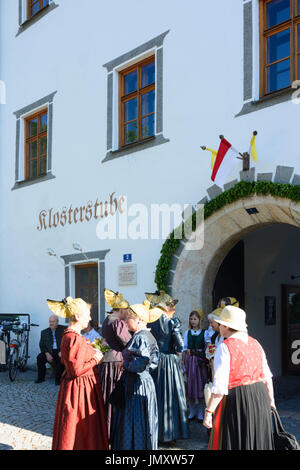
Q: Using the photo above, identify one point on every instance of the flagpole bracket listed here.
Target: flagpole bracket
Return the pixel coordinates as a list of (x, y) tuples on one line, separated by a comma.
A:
[(246, 161)]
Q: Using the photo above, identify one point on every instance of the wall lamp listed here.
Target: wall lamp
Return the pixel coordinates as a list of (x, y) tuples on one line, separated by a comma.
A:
[(78, 247), (51, 252)]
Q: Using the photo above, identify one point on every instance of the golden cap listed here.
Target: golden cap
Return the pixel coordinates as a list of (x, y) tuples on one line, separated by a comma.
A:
[(115, 300), (145, 312), (67, 308)]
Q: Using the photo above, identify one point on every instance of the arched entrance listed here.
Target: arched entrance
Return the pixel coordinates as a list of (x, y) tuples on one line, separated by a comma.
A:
[(195, 274)]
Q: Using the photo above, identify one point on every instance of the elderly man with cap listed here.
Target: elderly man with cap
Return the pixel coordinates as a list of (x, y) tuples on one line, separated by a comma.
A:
[(50, 350), (239, 410)]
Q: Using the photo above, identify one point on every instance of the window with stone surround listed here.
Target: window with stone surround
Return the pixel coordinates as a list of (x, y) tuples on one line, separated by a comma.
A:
[(31, 11), (33, 159), (279, 44), (271, 53), (135, 100)]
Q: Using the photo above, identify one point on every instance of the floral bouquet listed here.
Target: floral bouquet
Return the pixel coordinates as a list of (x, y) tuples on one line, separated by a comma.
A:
[(211, 349), (101, 345)]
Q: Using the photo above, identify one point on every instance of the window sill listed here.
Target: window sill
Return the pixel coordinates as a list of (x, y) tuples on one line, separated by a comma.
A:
[(266, 101), (29, 182), (136, 147), (36, 17)]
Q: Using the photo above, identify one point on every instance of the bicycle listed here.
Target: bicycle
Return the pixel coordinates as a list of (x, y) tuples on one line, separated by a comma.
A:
[(18, 349), (6, 327)]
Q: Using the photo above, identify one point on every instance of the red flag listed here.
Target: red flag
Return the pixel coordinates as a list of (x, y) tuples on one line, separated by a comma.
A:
[(225, 162)]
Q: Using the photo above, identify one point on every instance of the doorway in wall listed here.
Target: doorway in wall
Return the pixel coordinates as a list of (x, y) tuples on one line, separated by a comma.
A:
[(290, 329), (86, 287), (230, 281)]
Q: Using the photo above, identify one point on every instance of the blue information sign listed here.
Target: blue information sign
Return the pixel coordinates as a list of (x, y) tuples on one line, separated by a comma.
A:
[(127, 258)]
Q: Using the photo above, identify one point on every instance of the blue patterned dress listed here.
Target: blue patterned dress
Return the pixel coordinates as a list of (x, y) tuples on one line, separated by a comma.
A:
[(168, 379), (135, 427)]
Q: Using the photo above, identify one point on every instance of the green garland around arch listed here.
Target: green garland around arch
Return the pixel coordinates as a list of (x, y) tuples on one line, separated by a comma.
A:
[(241, 190)]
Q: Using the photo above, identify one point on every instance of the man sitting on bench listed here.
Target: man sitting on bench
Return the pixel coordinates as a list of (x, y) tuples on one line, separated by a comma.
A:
[(50, 350)]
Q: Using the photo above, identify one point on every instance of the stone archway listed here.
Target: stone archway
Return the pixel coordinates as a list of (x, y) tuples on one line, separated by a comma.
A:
[(195, 271)]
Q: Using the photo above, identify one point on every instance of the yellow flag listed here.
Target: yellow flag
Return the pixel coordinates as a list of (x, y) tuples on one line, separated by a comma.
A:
[(253, 151), (213, 156)]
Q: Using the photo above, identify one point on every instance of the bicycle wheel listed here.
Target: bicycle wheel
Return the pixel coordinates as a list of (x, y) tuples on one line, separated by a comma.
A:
[(13, 365), (23, 354)]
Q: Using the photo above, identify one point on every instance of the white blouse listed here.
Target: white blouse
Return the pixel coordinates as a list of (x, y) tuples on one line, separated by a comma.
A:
[(208, 334), (222, 366)]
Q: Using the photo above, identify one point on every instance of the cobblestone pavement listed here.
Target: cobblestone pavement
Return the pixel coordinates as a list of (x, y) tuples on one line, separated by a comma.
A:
[(27, 413)]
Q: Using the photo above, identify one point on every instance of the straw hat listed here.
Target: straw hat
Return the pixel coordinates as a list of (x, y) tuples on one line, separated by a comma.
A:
[(233, 317), (115, 300), (145, 313), (67, 308), (215, 314)]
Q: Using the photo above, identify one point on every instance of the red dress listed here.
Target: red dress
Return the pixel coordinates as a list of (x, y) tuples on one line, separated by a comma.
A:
[(80, 417)]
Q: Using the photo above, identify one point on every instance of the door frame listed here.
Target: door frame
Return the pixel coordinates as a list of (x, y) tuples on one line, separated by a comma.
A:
[(284, 329)]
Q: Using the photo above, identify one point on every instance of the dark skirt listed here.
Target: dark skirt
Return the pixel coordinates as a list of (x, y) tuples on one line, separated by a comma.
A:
[(243, 420), (135, 427), (109, 374), (171, 399)]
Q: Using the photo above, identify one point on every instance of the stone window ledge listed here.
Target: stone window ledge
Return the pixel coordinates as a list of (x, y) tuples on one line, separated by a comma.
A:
[(267, 101), (29, 182), (36, 17), (132, 148)]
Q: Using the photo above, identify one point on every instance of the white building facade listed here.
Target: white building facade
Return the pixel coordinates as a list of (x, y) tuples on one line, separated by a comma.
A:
[(104, 109)]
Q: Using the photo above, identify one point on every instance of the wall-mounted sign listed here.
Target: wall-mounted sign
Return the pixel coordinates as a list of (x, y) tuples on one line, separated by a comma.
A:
[(127, 275), (92, 210), (127, 258)]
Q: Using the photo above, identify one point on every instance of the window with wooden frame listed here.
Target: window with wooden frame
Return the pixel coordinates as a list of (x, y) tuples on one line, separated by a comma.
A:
[(34, 6), (279, 44), (137, 102), (36, 138)]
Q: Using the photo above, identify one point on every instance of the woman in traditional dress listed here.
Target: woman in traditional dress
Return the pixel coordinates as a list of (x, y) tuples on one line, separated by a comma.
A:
[(80, 417), (135, 424), (214, 340), (168, 377), (116, 335), (195, 364), (239, 410)]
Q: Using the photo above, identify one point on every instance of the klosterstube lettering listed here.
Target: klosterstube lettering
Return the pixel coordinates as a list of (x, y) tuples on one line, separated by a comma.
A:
[(91, 211)]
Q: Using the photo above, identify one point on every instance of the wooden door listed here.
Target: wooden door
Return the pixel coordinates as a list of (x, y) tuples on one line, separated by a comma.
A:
[(290, 328), (86, 287)]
